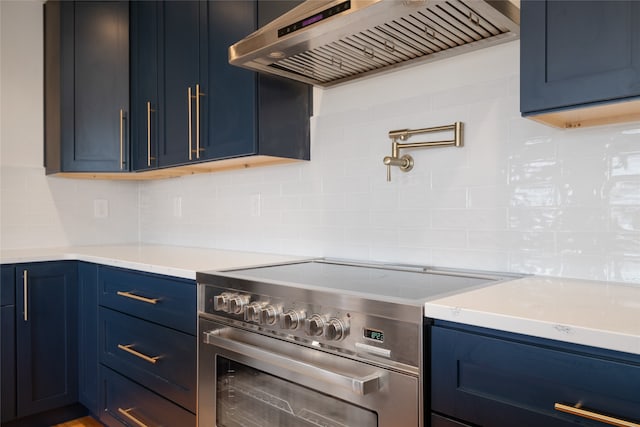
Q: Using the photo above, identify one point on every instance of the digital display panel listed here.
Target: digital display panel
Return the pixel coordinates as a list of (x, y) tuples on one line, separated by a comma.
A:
[(314, 18), (374, 334)]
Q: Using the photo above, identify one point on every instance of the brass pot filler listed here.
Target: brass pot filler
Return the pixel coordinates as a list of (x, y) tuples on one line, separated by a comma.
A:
[(405, 163)]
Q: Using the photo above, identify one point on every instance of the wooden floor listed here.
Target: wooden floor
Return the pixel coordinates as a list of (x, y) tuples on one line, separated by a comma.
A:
[(81, 422)]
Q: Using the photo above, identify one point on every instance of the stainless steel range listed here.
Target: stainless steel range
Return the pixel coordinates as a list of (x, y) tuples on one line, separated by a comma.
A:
[(317, 343)]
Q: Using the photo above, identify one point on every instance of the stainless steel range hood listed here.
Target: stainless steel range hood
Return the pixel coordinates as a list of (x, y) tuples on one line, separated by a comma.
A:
[(328, 42)]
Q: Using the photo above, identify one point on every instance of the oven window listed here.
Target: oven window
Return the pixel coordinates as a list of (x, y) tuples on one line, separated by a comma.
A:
[(247, 397)]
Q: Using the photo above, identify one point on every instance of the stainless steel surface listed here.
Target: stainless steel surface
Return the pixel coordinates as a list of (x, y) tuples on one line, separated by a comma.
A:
[(405, 163), (348, 332), (328, 42), (298, 383), (359, 385)]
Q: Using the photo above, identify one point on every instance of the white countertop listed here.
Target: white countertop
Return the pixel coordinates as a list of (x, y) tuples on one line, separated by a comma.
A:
[(174, 261), (599, 314)]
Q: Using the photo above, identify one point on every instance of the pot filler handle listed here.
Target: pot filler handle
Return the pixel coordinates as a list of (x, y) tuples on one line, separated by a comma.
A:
[(360, 386)]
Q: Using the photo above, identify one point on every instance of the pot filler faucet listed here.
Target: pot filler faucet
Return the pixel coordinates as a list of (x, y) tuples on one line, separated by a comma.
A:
[(405, 163)]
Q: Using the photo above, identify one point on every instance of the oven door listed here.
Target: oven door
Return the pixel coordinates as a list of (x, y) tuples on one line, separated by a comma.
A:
[(251, 380)]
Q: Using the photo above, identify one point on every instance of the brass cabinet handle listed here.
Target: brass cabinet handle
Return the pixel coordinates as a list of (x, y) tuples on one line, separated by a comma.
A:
[(138, 297), (149, 111), (189, 110), (25, 291), (594, 416), (128, 348), (126, 413), (198, 94), (121, 139)]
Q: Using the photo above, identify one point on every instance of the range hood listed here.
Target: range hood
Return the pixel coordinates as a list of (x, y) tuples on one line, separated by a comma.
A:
[(328, 42)]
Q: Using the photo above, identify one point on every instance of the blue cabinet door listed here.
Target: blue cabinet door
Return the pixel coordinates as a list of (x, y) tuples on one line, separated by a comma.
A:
[(575, 53), (183, 24), (231, 100), (8, 363), (284, 106), (7, 344), (477, 374), (87, 86), (145, 106), (46, 336)]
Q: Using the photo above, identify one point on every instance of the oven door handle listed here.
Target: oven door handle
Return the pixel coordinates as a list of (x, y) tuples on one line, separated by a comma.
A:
[(361, 386)]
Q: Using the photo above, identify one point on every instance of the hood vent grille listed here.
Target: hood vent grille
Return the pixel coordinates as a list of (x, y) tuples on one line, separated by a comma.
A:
[(434, 30)]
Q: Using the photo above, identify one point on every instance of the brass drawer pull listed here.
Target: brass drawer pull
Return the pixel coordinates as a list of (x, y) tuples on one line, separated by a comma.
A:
[(138, 297), (126, 413), (594, 416), (130, 350)]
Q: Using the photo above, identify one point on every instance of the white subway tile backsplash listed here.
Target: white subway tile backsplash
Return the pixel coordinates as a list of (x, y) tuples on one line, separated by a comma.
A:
[(518, 196)]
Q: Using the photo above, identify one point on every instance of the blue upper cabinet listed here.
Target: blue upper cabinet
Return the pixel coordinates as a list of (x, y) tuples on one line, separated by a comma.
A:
[(189, 105), (86, 86), (231, 100), (182, 82), (168, 81), (144, 87), (580, 61), (284, 106)]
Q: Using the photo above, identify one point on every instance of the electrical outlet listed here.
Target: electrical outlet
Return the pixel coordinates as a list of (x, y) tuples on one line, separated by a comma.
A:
[(100, 208), (177, 207), (256, 205)]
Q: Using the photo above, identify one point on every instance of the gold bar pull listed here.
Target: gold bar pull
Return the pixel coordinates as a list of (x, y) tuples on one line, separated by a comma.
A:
[(128, 348), (189, 109), (121, 139), (127, 413), (138, 297), (149, 111), (199, 149), (25, 292), (583, 413)]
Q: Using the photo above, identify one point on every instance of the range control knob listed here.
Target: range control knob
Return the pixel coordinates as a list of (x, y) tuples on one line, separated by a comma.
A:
[(336, 329), (268, 315), (252, 311), (236, 304), (221, 302), (292, 319), (314, 325)]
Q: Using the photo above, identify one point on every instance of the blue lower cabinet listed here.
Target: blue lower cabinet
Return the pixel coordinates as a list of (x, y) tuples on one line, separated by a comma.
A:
[(159, 358), (88, 336), (128, 403), (490, 378), (7, 344), (168, 301), (147, 348), (8, 373), (46, 336)]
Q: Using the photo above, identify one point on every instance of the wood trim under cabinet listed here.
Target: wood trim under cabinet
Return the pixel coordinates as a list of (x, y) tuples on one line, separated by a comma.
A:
[(619, 112), (174, 172)]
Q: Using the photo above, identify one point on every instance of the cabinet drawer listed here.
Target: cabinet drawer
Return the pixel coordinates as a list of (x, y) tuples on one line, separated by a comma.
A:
[(159, 358), (165, 300), (475, 377), (7, 285), (124, 401)]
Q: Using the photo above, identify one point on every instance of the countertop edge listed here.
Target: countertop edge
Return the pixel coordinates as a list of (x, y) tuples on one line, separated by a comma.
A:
[(575, 334)]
